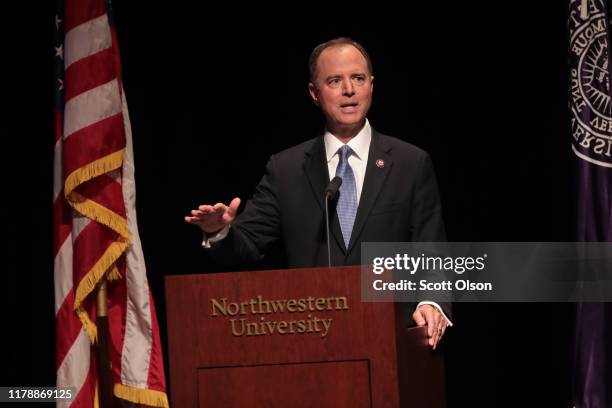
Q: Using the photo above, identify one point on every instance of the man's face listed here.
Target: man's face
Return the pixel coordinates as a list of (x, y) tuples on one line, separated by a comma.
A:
[(343, 87)]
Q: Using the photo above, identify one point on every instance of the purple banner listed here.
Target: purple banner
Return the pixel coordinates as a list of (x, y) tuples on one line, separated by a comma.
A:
[(591, 122)]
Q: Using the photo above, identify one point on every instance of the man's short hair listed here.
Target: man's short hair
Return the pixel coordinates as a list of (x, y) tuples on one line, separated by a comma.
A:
[(316, 53)]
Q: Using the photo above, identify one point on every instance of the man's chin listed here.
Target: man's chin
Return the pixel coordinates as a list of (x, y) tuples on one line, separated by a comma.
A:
[(351, 122)]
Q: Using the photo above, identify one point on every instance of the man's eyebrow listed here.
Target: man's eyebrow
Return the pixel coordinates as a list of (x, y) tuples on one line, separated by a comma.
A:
[(340, 75)]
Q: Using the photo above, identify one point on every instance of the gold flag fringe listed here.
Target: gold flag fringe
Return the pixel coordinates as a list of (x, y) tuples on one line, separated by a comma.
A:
[(151, 398), (90, 208)]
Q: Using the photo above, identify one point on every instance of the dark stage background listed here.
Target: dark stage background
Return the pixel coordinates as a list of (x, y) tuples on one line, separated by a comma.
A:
[(213, 91)]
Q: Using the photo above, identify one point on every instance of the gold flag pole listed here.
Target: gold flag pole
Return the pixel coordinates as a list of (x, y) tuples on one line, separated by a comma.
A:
[(105, 390)]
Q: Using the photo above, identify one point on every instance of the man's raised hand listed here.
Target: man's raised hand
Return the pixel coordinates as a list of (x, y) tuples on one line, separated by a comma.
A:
[(213, 218)]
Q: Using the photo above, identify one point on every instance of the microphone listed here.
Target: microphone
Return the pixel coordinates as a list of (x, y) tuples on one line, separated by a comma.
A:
[(332, 188), (330, 192)]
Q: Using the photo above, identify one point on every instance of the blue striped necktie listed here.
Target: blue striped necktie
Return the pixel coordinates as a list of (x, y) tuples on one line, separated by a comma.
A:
[(347, 202)]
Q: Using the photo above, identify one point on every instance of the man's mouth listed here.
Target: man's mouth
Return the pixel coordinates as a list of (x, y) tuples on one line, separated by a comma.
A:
[(349, 107)]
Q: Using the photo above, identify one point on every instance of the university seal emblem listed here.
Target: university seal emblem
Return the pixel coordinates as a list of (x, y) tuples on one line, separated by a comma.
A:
[(590, 91)]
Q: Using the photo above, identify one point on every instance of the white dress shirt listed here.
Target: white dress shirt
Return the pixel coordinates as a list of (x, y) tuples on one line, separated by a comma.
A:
[(358, 160)]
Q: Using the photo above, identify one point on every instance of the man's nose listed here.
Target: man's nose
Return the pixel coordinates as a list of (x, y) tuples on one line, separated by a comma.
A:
[(347, 87)]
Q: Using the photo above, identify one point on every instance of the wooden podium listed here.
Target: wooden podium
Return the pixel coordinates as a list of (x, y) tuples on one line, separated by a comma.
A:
[(294, 338)]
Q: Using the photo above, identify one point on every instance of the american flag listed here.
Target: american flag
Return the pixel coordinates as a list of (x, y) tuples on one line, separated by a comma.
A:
[(95, 227)]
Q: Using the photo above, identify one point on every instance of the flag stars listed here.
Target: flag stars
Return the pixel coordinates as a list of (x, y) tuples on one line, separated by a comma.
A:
[(60, 84), (57, 22), (59, 51)]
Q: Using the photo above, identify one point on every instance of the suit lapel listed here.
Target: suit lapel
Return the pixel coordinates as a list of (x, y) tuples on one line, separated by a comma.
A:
[(375, 177), (315, 167)]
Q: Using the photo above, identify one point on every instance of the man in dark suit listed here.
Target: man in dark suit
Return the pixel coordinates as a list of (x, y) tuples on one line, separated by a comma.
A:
[(389, 192)]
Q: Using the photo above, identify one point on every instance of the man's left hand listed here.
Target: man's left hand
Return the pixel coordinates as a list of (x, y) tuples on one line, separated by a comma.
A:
[(436, 323)]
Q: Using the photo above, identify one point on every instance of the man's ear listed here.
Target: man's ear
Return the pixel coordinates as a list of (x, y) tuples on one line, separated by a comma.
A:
[(314, 93)]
